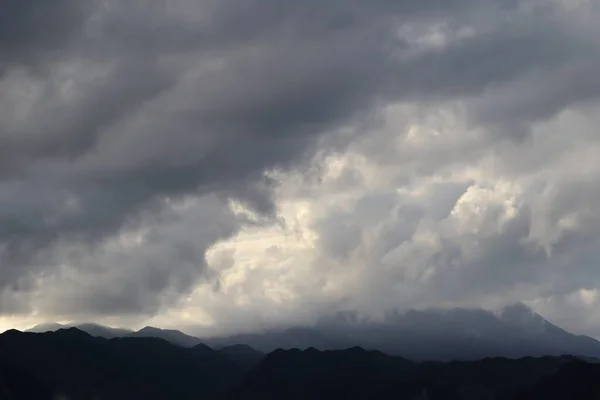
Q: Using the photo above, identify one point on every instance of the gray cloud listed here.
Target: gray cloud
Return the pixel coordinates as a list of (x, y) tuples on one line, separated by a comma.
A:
[(143, 271), (33, 30)]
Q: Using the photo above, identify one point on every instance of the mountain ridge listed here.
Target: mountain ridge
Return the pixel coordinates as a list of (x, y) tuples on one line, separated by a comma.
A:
[(438, 335), (75, 365)]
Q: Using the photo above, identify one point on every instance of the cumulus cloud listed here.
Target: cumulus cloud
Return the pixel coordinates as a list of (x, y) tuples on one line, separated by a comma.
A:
[(246, 164)]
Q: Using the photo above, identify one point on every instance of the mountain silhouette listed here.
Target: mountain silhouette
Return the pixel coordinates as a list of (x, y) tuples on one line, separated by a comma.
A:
[(173, 336), (89, 327), (575, 380), (71, 364), (243, 355), (359, 374)]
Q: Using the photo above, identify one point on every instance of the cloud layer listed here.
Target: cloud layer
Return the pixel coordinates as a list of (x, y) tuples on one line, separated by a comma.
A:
[(236, 165)]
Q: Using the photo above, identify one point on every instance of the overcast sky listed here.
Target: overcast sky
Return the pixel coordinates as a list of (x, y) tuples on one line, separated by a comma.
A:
[(229, 165)]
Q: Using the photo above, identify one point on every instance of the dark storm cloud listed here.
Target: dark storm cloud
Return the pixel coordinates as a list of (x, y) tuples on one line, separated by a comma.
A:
[(78, 167), (65, 129), (142, 103), (145, 277), (33, 29)]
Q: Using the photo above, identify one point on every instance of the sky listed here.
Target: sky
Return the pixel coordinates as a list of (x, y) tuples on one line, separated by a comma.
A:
[(222, 166)]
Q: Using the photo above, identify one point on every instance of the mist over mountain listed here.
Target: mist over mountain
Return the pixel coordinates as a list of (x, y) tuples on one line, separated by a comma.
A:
[(454, 334), (173, 336), (92, 328), (46, 327), (436, 334)]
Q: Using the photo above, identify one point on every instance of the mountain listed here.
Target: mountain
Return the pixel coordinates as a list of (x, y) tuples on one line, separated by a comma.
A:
[(308, 374), (46, 327), (71, 364), (455, 334), (103, 331), (437, 335), (576, 380), (91, 328), (359, 374), (173, 336), (298, 337), (16, 383), (85, 367), (243, 355)]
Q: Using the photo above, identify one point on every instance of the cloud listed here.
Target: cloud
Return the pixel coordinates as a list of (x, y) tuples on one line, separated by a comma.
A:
[(466, 234), (262, 162), (146, 268), (99, 137), (32, 30)]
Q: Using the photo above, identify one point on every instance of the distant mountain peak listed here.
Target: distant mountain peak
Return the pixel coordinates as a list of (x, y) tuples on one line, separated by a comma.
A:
[(520, 313), (149, 329), (95, 325), (12, 332), (311, 350), (153, 329), (46, 327), (72, 332), (202, 347), (174, 336), (519, 308)]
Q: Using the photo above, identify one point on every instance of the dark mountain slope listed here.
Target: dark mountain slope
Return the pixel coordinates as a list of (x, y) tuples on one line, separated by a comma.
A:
[(243, 355), (16, 384), (575, 380), (76, 363), (353, 373), (70, 362), (361, 374)]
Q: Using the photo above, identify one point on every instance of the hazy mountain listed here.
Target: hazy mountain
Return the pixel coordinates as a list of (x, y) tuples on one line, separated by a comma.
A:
[(456, 334), (71, 364), (46, 327), (173, 336), (301, 337), (91, 328), (103, 331)]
